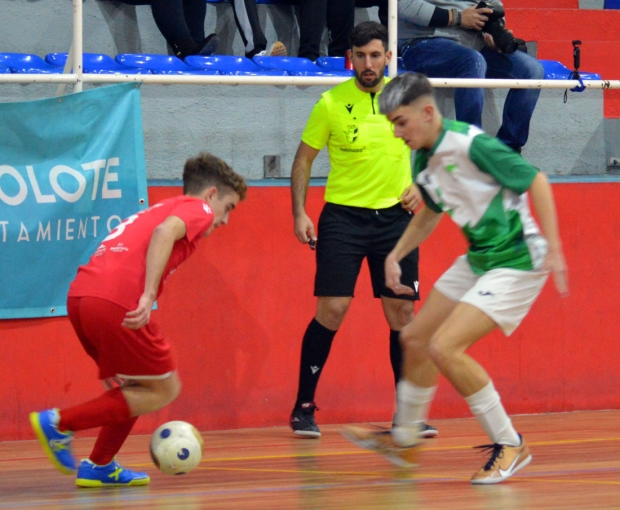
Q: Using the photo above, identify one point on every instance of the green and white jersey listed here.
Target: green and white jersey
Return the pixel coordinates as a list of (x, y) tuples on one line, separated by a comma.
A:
[(481, 183)]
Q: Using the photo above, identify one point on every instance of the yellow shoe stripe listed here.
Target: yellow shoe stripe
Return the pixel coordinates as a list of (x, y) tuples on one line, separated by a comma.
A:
[(36, 425), (83, 482)]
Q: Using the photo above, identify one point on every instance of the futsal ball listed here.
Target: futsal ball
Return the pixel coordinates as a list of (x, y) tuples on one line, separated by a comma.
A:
[(176, 447)]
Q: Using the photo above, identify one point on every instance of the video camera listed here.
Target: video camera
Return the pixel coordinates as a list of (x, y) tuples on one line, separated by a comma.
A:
[(504, 40)]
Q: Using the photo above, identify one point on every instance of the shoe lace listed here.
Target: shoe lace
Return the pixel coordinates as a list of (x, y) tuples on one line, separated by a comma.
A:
[(309, 408), (497, 452)]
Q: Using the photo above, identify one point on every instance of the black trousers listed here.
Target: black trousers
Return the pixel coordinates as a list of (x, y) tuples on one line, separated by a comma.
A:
[(246, 18), (181, 22)]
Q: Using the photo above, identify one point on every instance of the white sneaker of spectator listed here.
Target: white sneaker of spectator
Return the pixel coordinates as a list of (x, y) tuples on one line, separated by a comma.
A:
[(277, 49)]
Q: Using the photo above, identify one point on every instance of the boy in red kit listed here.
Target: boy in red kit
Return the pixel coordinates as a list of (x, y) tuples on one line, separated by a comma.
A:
[(109, 306)]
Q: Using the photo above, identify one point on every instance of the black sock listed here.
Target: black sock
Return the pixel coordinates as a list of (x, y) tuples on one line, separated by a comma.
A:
[(314, 352), (396, 354)]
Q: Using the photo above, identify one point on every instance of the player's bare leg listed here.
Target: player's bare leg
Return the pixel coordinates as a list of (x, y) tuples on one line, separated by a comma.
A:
[(415, 390), (464, 327), (399, 314), (147, 395)]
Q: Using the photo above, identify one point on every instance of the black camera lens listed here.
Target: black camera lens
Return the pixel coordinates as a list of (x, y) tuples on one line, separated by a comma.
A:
[(504, 40)]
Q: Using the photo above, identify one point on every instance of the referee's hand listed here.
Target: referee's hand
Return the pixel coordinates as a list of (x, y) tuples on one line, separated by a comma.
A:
[(304, 229)]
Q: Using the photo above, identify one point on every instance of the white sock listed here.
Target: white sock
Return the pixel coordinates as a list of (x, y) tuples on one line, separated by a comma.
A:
[(490, 413), (412, 404)]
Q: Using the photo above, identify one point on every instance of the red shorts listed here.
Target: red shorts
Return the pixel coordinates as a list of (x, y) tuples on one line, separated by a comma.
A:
[(117, 350)]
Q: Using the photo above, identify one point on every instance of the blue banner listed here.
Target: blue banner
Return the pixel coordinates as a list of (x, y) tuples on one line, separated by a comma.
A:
[(71, 169)]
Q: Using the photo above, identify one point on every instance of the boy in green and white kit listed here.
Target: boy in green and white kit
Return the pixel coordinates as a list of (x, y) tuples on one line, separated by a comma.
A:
[(481, 184)]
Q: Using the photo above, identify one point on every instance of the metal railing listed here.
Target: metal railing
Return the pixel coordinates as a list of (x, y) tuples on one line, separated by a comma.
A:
[(78, 77)]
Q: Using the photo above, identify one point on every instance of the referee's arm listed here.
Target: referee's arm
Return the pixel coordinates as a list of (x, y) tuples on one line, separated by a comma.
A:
[(300, 178)]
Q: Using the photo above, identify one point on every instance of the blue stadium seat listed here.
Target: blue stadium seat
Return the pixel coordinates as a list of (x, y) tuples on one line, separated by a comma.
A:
[(27, 63), (231, 65), (160, 64), (96, 63), (296, 66), (557, 71), (333, 63), (612, 4), (337, 64), (4, 70)]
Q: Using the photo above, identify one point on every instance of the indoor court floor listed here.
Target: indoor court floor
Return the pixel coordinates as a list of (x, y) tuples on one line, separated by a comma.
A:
[(576, 465)]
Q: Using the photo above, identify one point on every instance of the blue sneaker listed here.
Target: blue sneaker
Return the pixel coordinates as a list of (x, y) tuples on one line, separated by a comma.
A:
[(56, 444), (110, 475)]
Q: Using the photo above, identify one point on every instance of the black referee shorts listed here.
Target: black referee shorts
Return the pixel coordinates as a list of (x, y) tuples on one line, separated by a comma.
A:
[(347, 235)]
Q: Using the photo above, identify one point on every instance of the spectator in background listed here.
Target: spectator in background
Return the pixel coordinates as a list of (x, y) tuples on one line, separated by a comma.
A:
[(339, 17), (448, 42), (383, 8), (182, 23), (254, 40)]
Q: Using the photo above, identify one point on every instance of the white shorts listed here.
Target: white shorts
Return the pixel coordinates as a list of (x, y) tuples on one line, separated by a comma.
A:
[(505, 295)]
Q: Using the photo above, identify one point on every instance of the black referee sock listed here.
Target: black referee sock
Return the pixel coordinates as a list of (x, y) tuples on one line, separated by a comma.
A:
[(396, 354), (314, 352)]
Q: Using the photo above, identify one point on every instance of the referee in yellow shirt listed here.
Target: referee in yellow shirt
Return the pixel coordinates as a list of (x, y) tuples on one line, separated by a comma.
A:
[(370, 200)]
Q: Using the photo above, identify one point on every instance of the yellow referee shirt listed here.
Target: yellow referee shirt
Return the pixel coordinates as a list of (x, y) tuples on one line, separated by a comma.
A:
[(369, 167)]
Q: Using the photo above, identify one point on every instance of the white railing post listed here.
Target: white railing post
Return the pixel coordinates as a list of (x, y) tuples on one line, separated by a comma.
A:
[(393, 37), (77, 45)]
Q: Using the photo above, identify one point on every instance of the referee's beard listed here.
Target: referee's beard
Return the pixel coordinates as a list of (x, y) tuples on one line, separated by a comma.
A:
[(371, 79)]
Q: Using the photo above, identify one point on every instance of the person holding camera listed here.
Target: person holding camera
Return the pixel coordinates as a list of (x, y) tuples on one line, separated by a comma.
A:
[(467, 39)]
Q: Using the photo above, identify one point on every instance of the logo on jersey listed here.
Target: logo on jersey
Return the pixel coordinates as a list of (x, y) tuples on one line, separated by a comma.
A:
[(207, 209), (119, 248), (351, 133), (349, 107)]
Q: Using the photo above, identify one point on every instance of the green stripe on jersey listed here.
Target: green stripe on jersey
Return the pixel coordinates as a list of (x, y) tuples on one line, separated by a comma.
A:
[(480, 183)]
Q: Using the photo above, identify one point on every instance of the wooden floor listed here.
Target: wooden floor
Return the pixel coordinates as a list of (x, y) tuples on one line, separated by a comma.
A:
[(576, 466)]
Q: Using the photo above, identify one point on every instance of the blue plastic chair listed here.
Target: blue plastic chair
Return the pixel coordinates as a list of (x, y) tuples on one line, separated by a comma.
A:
[(4, 70), (333, 63), (555, 70), (296, 66), (96, 63), (231, 65), (612, 4), (27, 63), (160, 64), (337, 64)]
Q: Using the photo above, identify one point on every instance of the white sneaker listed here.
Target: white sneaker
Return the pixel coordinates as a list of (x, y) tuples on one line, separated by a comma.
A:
[(277, 49)]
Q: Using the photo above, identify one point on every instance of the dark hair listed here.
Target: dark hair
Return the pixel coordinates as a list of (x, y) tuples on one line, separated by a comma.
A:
[(404, 90), (368, 31), (207, 170)]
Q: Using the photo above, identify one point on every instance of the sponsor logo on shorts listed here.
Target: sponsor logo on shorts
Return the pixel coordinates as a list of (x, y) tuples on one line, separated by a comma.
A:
[(485, 293)]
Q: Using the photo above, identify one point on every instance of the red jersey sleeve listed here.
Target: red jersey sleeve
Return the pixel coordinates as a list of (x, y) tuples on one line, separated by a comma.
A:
[(197, 216)]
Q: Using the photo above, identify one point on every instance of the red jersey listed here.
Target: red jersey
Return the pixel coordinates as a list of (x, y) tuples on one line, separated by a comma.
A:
[(117, 269)]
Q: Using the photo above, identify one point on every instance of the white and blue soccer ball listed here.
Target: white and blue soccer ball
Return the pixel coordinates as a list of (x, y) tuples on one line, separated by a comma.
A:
[(176, 447)]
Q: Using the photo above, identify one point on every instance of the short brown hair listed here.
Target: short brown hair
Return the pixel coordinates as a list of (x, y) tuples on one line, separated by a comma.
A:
[(207, 170)]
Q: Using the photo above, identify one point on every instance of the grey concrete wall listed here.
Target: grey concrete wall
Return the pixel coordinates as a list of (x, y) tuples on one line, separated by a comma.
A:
[(591, 4), (242, 124)]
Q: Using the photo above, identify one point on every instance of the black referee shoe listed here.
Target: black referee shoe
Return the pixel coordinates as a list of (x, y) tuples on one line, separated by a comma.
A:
[(428, 431), (302, 421)]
